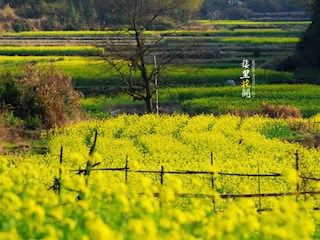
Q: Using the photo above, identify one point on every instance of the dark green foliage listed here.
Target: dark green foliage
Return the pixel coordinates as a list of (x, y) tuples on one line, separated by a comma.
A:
[(244, 9), (16, 99), (308, 47), (21, 25), (99, 14), (9, 91), (288, 64), (85, 14), (277, 130), (237, 13)]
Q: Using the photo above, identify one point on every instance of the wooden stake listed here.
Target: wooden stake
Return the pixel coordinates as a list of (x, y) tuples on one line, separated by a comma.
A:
[(297, 169), (212, 174), (212, 181), (126, 176), (161, 175), (60, 170), (259, 186)]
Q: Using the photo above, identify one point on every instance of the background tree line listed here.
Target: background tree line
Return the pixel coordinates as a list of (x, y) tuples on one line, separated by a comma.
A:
[(246, 9), (81, 14), (99, 14)]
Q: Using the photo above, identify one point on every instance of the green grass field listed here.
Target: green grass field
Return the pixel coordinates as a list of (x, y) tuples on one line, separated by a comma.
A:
[(94, 73), (222, 100)]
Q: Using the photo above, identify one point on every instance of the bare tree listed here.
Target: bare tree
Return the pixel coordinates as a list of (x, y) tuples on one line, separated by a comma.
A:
[(132, 56)]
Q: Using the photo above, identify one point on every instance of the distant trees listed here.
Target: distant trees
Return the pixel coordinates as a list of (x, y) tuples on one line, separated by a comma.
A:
[(182, 10), (213, 9), (98, 14), (237, 9), (308, 47), (86, 14), (264, 6)]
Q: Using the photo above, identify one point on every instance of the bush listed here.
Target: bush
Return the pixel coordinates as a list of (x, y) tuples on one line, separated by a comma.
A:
[(8, 14), (10, 95), (20, 26), (42, 96), (288, 64), (51, 93)]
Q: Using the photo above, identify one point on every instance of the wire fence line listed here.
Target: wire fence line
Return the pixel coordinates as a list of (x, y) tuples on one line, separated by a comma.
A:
[(162, 172), (90, 167)]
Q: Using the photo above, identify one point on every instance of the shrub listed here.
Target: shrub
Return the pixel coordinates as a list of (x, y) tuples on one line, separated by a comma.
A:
[(42, 96), (8, 14), (10, 95), (51, 94), (21, 25), (288, 64)]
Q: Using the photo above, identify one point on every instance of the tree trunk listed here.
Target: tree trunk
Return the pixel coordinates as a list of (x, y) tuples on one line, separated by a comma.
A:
[(144, 74), (148, 103)]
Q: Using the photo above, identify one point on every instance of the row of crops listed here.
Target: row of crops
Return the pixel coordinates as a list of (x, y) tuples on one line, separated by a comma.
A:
[(105, 34), (110, 207), (222, 42), (51, 51)]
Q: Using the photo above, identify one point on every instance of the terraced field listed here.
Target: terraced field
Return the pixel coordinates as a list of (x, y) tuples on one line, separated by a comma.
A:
[(211, 55), (223, 42)]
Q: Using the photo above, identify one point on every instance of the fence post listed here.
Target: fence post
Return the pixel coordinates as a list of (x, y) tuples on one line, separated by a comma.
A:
[(126, 176), (161, 175), (60, 170), (212, 174), (212, 180), (297, 169), (259, 186)]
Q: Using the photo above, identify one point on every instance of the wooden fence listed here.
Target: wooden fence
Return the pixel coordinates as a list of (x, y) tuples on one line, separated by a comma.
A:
[(90, 167)]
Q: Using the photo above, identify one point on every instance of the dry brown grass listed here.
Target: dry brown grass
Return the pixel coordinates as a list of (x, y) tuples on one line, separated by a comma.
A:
[(54, 93), (244, 113), (8, 14), (281, 111), (4, 135), (10, 134), (198, 27)]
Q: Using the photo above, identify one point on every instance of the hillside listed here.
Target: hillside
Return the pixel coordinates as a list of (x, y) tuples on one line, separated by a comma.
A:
[(96, 14)]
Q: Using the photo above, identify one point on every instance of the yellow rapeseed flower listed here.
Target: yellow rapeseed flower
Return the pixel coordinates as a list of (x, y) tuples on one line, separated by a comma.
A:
[(76, 159), (291, 176)]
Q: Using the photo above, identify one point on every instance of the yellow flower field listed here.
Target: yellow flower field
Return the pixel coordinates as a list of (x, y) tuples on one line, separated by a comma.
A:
[(143, 208)]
